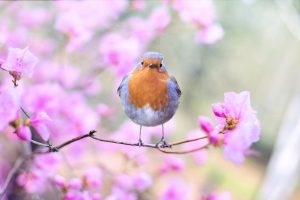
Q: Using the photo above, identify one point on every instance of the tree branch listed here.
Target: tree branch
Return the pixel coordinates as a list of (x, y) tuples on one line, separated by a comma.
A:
[(53, 148), (18, 164)]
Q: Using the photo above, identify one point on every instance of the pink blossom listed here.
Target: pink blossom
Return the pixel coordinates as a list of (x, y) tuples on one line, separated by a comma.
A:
[(48, 163), (59, 181), (119, 193), (74, 183), (172, 163), (32, 182), (24, 133), (120, 52), (206, 124), (20, 62), (201, 13), (141, 181), (92, 177), (39, 122), (175, 190), (73, 25), (9, 102), (217, 196), (210, 34), (159, 19), (105, 111), (138, 4), (240, 125), (33, 17)]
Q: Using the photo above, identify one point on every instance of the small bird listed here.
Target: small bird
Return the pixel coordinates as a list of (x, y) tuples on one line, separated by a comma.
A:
[(150, 96)]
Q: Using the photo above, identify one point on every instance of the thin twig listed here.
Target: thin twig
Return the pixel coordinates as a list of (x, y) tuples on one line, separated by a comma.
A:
[(53, 148), (25, 113), (183, 151), (11, 175)]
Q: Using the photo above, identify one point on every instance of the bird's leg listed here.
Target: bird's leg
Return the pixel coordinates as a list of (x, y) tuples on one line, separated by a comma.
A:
[(162, 143), (140, 142)]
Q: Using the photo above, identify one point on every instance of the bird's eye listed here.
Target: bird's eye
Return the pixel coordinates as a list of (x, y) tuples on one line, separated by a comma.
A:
[(142, 63), (160, 65)]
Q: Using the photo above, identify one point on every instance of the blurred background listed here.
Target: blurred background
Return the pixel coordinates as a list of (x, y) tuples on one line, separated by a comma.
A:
[(257, 51)]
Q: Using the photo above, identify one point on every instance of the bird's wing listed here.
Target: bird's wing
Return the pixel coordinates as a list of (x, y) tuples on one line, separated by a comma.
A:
[(173, 79), (121, 85)]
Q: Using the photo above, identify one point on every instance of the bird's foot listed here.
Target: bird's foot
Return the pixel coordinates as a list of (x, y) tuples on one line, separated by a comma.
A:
[(162, 144), (140, 143)]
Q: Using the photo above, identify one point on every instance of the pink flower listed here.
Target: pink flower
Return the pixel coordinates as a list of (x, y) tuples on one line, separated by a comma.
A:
[(159, 19), (141, 181), (73, 25), (210, 34), (92, 178), (39, 122), (105, 111), (239, 125), (217, 196), (59, 181), (201, 13), (32, 182), (20, 62), (24, 133), (172, 163), (9, 102), (175, 190), (206, 124), (120, 52), (138, 4)]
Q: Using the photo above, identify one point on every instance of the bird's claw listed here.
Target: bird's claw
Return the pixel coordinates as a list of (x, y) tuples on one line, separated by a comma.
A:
[(140, 143), (162, 144)]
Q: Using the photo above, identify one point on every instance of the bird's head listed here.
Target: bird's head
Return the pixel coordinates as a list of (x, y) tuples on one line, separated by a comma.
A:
[(152, 60)]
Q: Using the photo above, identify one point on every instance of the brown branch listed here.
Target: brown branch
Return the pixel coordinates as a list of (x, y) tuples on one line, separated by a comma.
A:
[(183, 151), (53, 148), (12, 173)]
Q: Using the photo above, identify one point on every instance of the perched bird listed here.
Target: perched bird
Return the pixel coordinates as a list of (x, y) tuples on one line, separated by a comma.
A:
[(150, 96)]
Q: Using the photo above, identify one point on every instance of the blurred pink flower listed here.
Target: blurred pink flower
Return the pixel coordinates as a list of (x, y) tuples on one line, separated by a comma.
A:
[(19, 62), (32, 182), (138, 4), (40, 122), (89, 11), (239, 125), (119, 193), (200, 12), (33, 17), (24, 133), (74, 183), (48, 163), (120, 52), (141, 181), (175, 190), (104, 110), (159, 19), (92, 178), (171, 163), (210, 34), (206, 124), (217, 196), (9, 101), (73, 25)]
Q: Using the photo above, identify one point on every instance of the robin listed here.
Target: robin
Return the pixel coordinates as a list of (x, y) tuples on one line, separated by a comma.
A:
[(149, 95)]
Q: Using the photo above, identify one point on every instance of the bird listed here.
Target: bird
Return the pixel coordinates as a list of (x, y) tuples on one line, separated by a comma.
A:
[(149, 95)]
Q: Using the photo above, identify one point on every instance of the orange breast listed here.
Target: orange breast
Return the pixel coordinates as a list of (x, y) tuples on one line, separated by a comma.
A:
[(148, 86)]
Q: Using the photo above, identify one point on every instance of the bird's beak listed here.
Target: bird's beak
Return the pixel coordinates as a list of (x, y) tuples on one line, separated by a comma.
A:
[(152, 66)]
